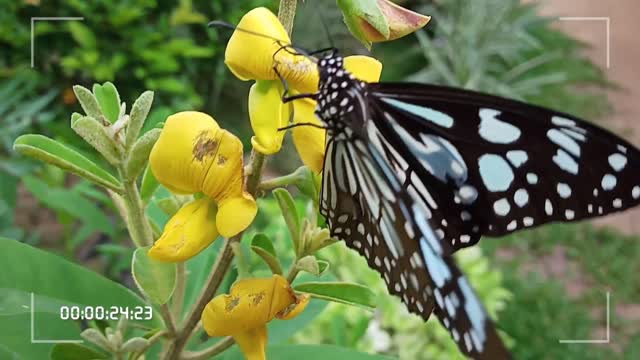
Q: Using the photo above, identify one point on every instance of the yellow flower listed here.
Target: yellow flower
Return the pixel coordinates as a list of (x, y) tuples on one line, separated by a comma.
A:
[(246, 310), (253, 55), (194, 155)]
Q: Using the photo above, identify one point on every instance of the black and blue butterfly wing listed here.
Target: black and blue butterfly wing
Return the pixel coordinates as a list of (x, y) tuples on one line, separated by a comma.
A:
[(383, 214), (493, 166)]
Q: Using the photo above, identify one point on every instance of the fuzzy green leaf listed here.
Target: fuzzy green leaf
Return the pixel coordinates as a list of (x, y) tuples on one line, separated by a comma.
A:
[(108, 99), (341, 292), (139, 112), (139, 154), (50, 151), (88, 102), (262, 245), (155, 279), (94, 133), (290, 214)]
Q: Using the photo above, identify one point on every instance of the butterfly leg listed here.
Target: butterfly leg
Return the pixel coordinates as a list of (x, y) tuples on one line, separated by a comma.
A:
[(286, 98)]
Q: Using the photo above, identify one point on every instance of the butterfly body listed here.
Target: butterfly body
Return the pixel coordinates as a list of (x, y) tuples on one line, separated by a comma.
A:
[(414, 172)]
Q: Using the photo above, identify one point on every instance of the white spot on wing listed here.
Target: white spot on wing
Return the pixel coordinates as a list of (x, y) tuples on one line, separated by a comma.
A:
[(609, 182), (517, 157), (496, 131), (617, 161), (495, 172), (501, 207)]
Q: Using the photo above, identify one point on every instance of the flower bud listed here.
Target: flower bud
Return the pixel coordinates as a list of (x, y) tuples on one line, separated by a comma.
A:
[(379, 20)]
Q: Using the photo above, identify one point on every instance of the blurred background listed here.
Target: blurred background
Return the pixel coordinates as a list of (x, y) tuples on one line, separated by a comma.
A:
[(542, 285)]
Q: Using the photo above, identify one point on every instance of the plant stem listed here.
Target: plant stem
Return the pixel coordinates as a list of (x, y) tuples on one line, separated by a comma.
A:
[(168, 320), (213, 283), (137, 224), (286, 14), (178, 294)]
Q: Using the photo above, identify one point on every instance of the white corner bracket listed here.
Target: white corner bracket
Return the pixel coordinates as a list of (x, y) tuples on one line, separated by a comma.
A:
[(33, 39), (33, 330), (596, 341), (605, 19)]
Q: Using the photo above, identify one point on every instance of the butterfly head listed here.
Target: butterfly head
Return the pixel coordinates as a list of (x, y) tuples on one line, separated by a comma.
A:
[(336, 88)]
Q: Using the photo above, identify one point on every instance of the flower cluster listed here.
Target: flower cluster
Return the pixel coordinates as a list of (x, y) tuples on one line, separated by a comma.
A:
[(194, 156)]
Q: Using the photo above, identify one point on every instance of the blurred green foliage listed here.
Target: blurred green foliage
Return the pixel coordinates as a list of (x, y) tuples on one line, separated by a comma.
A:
[(502, 47)]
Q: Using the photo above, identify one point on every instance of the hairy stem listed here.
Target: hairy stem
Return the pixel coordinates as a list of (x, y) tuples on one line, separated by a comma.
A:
[(137, 224), (286, 14)]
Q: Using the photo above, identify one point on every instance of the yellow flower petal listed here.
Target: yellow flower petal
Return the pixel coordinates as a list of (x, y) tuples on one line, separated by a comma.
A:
[(187, 233), (249, 55), (252, 343), (363, 67), (267, 114), (250, 304), (252, 56), (236, 214), (181, 157), (309, 140)]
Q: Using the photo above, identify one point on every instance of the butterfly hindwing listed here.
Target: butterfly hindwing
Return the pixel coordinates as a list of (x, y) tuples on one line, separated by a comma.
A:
[(366, 204), (497, 165)]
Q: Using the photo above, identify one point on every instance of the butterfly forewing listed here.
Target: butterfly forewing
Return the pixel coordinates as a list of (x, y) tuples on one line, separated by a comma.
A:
[(503, 165)]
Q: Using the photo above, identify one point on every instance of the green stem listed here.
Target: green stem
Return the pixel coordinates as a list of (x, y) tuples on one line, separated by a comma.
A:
[(137, 224), (286, 14), (281, 181), (178, 297)]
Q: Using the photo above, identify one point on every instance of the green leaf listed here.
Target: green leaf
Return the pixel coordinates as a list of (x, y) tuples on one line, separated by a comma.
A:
[(290, 214), (155, 279), (108, 99), (75, 352), (262, 245), (50, 151), (310, 352), (341, 292), (82, 34), (139, 112), (94, 133), (149, 185), (88, 102), (54, 282), (139, 154)]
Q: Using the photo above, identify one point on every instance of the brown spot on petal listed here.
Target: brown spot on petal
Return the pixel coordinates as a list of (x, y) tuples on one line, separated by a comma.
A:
[(221, 160), (206, 145), (231, 303), (256, 299)]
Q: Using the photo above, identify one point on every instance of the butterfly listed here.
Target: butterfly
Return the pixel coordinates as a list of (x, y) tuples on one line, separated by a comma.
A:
[(414, 172)]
